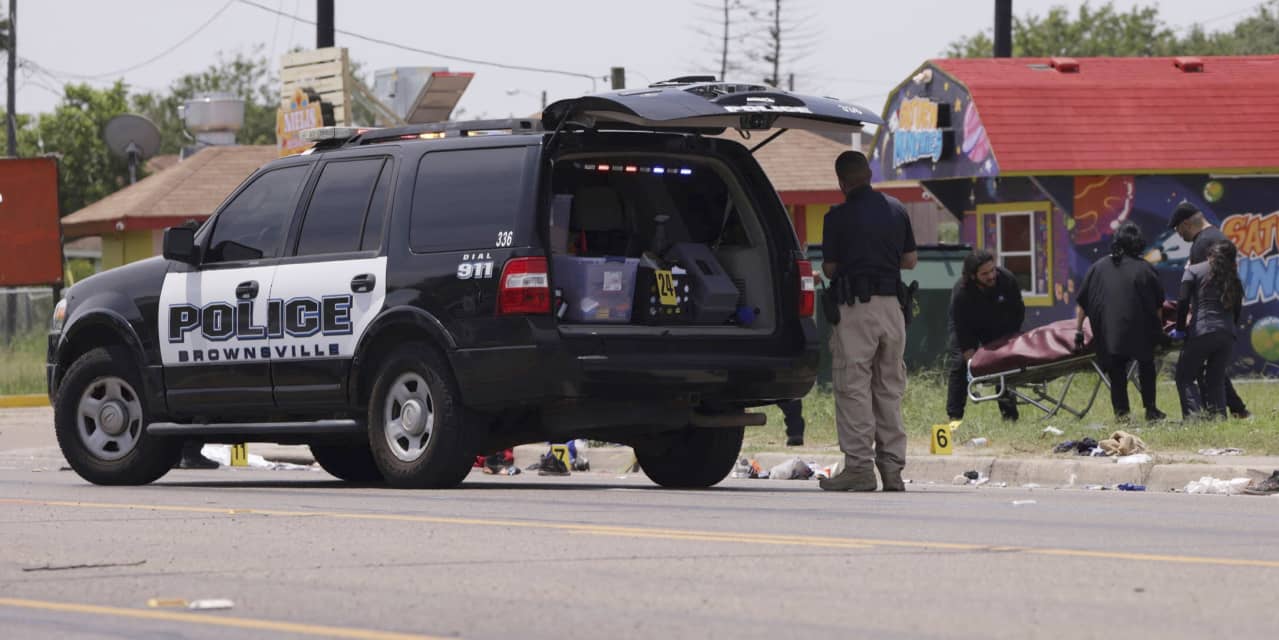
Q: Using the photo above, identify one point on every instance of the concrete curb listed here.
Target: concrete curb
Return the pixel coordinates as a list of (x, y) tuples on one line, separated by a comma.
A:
[(24, 401)]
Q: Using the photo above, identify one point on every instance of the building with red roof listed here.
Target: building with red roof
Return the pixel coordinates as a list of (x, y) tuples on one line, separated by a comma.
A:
[(1041, 159)]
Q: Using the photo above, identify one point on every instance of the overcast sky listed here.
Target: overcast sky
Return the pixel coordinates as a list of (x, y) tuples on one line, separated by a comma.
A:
[(860, 49)]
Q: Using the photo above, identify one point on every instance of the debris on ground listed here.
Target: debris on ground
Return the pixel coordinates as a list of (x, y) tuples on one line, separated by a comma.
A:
[(1269, 486), (746, 469), (221, 454), (1128, 486), (977, 442), (167, 603), (210, 604), (1136, 458), (1083, 447), (1018, 503), (1209, 485), (1122, 443), (972, 475), (1052, 431), (1228, 451), (793, 469)]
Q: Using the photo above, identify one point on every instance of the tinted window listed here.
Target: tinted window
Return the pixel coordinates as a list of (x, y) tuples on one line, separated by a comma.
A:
[(372, 238), (334, 218), (253, 225), (464, 199)]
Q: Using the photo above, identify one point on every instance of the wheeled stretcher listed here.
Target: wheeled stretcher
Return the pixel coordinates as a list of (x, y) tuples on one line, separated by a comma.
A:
[(1023, 365)]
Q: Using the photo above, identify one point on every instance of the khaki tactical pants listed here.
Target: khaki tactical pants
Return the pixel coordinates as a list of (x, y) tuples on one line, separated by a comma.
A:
[(869, 375)]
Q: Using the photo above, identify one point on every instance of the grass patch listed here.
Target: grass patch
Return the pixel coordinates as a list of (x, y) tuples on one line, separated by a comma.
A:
[(22, 364), (925, 405)]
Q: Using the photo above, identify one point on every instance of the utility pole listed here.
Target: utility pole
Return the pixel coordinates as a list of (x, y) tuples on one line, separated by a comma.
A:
[(1003, 28), (619, 78), (543, 99), (11, 116), (323, 24), (790, 82)]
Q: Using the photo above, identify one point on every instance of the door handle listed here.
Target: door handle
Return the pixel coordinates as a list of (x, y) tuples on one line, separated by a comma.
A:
[(246, 290), (363, 283)]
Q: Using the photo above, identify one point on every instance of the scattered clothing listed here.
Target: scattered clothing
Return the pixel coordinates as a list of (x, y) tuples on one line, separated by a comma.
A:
[(1266, 487), (1122, 443), (1228, 451)]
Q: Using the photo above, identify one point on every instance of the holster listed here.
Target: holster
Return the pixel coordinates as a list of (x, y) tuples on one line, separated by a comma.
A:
[(906, 298), (830, 305)]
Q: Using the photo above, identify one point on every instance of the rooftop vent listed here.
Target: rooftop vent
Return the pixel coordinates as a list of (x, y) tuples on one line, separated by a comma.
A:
[(1065, 65), (1189, 64)]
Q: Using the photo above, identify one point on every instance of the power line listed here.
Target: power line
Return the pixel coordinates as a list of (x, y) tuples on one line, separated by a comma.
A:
[(1202, 23), (487, 63), (148, 61)]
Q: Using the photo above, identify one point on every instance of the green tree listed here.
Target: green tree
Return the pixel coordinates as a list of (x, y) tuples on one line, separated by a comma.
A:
[(246, 76), (87, 171), (1106, 31)]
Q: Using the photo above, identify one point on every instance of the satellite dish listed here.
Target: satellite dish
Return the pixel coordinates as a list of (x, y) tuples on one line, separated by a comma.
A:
[(132, 137)]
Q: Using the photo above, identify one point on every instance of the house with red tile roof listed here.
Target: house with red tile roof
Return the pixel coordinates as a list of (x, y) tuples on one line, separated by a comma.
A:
[(1041, 159)]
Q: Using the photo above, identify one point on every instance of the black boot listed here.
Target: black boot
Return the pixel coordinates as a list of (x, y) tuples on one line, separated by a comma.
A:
[(193, 459)]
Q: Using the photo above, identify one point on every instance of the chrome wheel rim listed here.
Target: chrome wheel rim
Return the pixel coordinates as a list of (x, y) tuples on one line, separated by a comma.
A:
[(109, 418), (409, 417)]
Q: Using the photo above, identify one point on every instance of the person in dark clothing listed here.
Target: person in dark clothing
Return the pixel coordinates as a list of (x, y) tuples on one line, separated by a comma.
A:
[(793, 411), (1212, 292), (1190, 224), (985, 305), (1121, 297)]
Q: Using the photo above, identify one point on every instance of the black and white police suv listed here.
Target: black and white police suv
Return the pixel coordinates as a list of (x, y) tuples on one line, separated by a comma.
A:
[(402, 299)]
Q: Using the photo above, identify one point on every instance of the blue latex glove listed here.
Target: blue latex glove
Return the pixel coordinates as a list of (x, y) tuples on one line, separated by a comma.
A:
[(1177, 334)]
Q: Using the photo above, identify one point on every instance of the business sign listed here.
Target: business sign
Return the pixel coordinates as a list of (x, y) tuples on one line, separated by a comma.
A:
[(301, 114), (31, 241)]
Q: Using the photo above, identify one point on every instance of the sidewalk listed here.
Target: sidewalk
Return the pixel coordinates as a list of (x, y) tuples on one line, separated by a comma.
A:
[(29, 432)]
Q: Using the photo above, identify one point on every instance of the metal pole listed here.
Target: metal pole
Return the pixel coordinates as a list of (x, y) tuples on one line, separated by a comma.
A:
[(1003, 28), (543, 99), (619, 78), (323, 24), (11, 117)]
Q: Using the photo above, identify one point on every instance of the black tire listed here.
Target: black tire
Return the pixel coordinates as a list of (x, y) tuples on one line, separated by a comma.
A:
[(130, 457), (692, 458), (352, 463), (442, 458)]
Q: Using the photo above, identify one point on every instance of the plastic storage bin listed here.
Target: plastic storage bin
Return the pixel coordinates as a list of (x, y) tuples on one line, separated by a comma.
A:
[(596, 289)]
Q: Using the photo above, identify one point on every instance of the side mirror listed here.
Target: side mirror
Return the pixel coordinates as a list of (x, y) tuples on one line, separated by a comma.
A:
[(179, 244)]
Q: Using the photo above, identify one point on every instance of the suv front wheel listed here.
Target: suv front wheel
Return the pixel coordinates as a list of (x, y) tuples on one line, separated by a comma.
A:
[(693, 458), (100, 420), (417, 433)]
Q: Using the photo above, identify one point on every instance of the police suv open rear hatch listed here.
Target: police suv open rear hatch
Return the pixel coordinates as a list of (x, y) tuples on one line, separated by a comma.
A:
[(698, 103)]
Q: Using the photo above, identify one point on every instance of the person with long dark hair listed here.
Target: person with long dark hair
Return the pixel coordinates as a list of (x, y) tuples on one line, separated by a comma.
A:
[(985, 305), (1212, 297), (1121, 297)]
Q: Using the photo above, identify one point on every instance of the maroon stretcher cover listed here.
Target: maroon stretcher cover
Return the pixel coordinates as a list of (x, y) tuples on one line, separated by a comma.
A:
[(1042, 345), (1050, 343)]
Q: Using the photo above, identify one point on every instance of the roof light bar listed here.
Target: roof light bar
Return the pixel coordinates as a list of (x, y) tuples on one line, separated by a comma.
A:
[(321, 134)]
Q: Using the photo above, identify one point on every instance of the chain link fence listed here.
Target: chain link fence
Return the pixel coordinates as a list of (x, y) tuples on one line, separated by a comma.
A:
[(23, 311)]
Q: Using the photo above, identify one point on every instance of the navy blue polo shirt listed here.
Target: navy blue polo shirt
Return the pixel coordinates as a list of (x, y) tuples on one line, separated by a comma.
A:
[(867, 235)]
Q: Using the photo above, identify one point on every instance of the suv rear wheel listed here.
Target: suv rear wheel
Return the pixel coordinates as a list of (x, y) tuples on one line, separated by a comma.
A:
[(352, 463), (100, 421), (693, 458), (417, 433)]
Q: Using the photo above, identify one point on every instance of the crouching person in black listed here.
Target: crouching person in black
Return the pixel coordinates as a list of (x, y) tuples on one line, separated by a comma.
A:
[(985, 305)]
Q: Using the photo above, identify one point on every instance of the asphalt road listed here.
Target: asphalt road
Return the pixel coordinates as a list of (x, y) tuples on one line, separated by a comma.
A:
[(602, 556)]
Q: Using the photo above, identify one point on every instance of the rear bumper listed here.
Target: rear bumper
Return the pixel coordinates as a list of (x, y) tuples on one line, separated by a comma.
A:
[(719, 379)]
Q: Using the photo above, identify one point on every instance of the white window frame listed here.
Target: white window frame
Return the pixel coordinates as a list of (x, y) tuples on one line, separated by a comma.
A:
[(1034, 249)]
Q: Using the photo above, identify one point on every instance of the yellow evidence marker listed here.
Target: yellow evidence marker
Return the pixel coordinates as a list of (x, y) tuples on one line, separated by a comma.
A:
[(240, 455), (939, 443), (560, 451)]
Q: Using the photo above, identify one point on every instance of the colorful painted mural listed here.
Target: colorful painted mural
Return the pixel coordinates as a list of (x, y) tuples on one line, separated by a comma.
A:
[(1087, 209), (933, 131)]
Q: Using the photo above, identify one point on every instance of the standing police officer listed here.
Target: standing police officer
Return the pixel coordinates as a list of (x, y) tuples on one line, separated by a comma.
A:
[(867, 241)]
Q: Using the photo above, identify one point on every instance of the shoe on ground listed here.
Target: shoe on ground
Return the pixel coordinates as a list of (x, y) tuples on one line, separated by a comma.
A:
[(551, 466), (794, 441), (1155, 415), (891, 479), (1241, 415), (850, 480), (1266, 487), (196, 461)]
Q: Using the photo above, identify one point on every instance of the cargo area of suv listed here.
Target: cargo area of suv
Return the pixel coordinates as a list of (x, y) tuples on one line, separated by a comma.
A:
[(669, 241)]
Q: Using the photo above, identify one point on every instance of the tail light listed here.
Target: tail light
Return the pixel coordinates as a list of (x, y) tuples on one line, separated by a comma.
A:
[(524, 287), (807, 288)]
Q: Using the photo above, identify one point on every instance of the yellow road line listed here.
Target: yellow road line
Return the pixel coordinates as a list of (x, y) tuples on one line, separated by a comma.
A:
[(212, 620), (680, 534), (21, 401)]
